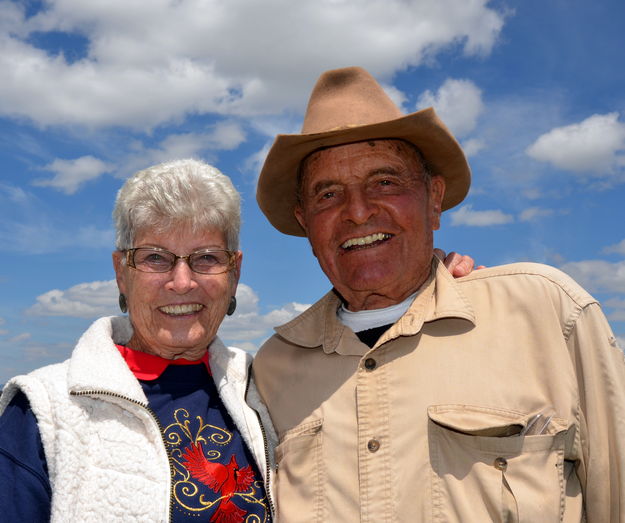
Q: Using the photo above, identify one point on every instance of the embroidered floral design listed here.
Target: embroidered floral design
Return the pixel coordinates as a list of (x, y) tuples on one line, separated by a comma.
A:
[(196, 456)]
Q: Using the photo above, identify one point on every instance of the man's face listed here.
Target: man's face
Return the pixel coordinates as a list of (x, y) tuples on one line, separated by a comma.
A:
[(369, 216)]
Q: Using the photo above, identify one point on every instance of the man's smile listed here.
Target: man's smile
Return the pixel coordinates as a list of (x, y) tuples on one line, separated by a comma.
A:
[(366, 241)]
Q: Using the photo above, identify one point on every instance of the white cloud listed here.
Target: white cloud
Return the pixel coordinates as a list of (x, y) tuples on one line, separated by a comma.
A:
[(85, 300), (467, 216), (532, 213), (224, 135), (71, 174), (618, 248), (458, 103), (597, 275), (99, 298), (248, 324), (216, 56), (595, 146), (616, 309), (473, 146)]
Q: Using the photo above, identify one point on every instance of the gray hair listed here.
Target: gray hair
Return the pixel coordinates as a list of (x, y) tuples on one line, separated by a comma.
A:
[(187, 193)]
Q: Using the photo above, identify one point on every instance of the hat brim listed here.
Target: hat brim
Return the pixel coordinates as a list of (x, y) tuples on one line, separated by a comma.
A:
[(278, 179)]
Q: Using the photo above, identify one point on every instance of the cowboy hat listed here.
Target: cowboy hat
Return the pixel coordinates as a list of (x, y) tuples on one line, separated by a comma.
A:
[(346, 106)]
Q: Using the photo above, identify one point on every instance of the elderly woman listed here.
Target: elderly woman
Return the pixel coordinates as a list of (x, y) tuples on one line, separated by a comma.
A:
[(147, 420)]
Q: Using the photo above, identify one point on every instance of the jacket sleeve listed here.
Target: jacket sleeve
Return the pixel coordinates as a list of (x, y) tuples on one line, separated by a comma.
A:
[(25, 494), (600, 368)]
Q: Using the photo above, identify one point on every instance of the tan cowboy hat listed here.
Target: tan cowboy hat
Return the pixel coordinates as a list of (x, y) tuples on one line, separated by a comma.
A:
[(346, 106)]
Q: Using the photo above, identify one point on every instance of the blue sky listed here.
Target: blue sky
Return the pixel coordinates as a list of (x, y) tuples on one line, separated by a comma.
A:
[(91, 92)]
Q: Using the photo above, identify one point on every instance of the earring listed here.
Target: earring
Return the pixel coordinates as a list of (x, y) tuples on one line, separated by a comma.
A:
[(232, 307), (122, 303)]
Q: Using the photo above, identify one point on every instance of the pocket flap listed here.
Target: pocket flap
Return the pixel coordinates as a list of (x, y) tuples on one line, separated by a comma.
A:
[(485, 421)]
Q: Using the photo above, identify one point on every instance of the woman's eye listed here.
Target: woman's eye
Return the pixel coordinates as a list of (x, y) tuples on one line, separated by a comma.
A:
[(155, 258), (207, 259)]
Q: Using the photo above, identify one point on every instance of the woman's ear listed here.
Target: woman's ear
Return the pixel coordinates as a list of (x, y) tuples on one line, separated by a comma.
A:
[(119, 265)]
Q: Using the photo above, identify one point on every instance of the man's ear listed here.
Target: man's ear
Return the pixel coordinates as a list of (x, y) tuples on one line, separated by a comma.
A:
[(119, 265), (437, 191), (299, 216)]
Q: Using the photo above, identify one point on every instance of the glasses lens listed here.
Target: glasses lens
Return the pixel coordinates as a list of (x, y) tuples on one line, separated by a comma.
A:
[(153, 260), (210, 262)]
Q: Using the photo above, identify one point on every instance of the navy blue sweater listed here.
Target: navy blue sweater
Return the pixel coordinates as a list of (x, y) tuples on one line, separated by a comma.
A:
[(214, 475)]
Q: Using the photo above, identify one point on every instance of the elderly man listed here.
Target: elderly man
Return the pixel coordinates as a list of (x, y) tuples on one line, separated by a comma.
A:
[(403, 394)]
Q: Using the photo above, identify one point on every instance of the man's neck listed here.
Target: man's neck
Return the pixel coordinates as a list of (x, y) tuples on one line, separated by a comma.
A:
[(379, 299)]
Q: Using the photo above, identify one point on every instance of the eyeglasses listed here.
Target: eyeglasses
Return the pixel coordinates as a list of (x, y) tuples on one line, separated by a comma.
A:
[(206, 261)]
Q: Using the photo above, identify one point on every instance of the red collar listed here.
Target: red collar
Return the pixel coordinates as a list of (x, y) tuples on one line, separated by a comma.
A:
[(149, 366)]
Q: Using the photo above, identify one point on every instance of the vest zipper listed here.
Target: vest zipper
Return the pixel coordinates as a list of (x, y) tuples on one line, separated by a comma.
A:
[(158, 425), (266, 447)]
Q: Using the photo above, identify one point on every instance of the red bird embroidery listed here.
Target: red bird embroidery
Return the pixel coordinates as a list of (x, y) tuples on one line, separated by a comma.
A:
[(225, 480)]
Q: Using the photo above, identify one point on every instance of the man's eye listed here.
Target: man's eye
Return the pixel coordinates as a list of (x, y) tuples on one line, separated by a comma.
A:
[(385, 182), (327, 195)]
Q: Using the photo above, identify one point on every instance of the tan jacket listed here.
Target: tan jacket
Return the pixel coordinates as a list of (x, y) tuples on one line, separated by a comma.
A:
[(426, 425)]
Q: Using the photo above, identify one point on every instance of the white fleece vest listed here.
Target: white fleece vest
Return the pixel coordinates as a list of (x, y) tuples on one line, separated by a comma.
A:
[(105, 455)]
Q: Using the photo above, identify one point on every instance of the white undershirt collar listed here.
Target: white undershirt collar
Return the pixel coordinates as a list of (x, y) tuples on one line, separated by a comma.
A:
[(369, 319)]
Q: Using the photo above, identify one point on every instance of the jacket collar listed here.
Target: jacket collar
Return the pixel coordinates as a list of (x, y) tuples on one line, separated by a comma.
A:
[(97, 365), (439, 297)]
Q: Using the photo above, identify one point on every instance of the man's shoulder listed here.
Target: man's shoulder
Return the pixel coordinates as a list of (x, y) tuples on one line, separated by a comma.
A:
[(528, 277)]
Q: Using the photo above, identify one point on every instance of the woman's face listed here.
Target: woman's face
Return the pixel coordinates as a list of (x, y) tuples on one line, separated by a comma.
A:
[(176, 313)]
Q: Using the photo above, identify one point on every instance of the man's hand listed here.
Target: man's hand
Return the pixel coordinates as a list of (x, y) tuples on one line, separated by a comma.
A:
[(457, 264)]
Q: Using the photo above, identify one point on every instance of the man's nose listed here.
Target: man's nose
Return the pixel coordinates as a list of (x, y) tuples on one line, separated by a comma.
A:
[(358, 207)]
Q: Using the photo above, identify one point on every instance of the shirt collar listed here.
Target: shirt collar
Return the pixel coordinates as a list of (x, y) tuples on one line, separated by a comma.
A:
[(146, 366), (439, 297)]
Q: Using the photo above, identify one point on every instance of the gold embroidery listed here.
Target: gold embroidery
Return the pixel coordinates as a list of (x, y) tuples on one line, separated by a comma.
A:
[(179, 435)]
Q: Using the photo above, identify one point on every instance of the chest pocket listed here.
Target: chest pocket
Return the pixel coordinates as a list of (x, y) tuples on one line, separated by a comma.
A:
[(483, 469), (300, 474)]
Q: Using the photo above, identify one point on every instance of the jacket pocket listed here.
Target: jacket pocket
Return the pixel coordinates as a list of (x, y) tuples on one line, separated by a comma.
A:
[(484, 470), (300, 473)]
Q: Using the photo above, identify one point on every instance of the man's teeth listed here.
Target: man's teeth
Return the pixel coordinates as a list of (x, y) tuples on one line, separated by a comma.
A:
[(186, 308), (366, 240)]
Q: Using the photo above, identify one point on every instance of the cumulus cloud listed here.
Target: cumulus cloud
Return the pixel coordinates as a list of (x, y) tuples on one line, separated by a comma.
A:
[(248, 325), (224, 135), (595, 146), (85, 300), (597, 275), (473, 146), (458, 103), (616, 309), (71, 174), (467, 216), (618, 248), (202, 56)]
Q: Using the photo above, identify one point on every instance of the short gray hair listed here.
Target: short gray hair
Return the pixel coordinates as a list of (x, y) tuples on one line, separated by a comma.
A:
[(187, 193)]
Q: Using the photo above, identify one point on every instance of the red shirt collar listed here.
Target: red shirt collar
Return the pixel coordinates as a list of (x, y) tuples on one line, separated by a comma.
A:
[(149, 366)]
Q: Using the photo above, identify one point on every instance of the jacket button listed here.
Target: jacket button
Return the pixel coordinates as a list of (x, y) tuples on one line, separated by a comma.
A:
[(370, 364), (501, 464), (373, 445)]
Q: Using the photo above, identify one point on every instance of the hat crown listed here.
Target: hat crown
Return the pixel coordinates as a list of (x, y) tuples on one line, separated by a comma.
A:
[(344, 98)]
